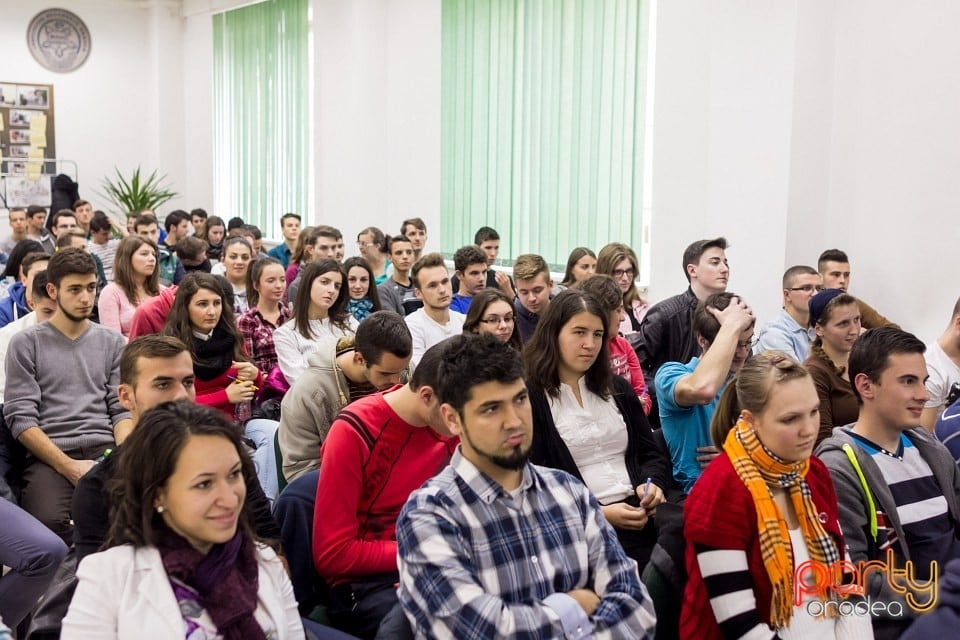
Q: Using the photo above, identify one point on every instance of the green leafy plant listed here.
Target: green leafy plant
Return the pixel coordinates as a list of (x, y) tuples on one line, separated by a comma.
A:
[(137, 192)]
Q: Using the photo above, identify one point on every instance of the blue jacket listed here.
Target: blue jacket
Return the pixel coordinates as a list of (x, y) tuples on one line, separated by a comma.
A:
[(14, 306)]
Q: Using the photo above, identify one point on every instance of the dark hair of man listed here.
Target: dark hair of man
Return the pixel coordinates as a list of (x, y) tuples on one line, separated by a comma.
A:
[(575, 256), (484, 234), (212, 221), (15, 209), (32, 259), (337, 313), (372, 293), (150, 457), (468, 255), (376, 237), (427, 373), (693, 253), (604, 289), (124, 275), (541, 354), (872, 350), (253, 230), (383, 332), (326, 231), (831, 255), (235, 223), (795, 271), (191, 248), (174, 218), (65, 240), (254, 271), (198, 212), (178, 321), (392, 240), (704, 323), (416, 223), (35, 209), (69, 262), (79, 203), (99, 222), (478, 308), (18, 253), (63, 213), (426, 261), (143, 220), (287, 216), (39, 289), (149, 346), (470, 360)]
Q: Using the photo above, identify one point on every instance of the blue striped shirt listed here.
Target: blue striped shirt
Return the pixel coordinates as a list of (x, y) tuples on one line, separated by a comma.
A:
[(477, 561)]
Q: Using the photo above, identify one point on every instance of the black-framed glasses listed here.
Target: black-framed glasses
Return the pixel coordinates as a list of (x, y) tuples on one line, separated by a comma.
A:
[(807, 288), (748, 344), (619, 273), (497, 320)]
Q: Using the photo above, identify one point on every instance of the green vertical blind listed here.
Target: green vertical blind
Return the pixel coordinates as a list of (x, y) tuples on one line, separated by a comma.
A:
[(262, 141), (543, 118)]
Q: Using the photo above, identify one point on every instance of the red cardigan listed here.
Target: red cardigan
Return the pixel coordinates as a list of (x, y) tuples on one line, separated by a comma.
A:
[(719, 513)]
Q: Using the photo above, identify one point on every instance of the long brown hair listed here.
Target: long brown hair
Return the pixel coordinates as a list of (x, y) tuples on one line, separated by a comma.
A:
[(124, 275), (178, 322), (301, 307), (478, 307), (607, 261), (541, 355), (150, 457), (254, 272)]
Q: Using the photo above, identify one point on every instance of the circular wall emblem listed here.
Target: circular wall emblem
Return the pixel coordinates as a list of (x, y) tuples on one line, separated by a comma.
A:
[(58, 40)]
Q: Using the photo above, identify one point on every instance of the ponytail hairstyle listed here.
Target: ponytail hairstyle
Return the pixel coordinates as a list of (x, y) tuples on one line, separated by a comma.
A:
[(750, 389)]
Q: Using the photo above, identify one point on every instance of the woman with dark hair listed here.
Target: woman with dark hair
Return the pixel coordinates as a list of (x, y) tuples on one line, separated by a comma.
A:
[(214, 231), (362, 288), (581, 264), (762, 509), (373, 248), (266, 286), (618, 261), (136, 280), (319, 311), (202, 319), (835, 317), (590, 423), (235, 257), (491, 312), (181, 559)]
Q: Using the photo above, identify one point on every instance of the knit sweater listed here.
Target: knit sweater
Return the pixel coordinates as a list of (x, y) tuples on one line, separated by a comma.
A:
[(66, 387), (372, 461)]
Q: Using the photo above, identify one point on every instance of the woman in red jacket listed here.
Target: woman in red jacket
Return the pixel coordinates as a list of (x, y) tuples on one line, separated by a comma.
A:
[(760, 510), (202, 317)]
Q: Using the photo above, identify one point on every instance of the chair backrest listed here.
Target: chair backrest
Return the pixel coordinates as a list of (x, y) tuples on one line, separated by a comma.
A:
[(294, 514)]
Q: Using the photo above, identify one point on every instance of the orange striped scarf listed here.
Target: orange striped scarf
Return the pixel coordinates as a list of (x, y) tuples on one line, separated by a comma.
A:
[(759, 470)]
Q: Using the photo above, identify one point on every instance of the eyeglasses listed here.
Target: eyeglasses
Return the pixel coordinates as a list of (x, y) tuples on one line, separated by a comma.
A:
[(497, 320), (748, 344), (619, 273), (807, 288), (364, 245)]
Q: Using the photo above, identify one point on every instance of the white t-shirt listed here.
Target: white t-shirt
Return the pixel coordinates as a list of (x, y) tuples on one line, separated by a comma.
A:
[(943, 372), (427, 332)]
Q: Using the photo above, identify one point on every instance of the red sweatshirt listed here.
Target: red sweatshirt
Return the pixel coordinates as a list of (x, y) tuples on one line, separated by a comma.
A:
[(371, 461), (213, 393)]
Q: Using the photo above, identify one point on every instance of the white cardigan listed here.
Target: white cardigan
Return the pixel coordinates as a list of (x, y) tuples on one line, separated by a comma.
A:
[(124, 592)]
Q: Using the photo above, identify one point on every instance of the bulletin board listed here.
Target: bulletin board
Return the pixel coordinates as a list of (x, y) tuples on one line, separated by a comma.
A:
[(26, 130)]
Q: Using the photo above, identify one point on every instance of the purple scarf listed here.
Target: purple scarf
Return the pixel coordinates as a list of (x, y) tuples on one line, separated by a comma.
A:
[(226, 580)]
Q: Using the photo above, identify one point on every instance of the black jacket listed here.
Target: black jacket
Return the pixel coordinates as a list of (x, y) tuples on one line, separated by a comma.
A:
[(666, 335)]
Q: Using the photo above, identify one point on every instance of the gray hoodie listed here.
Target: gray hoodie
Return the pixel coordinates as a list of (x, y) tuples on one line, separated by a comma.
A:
[(855, 516)]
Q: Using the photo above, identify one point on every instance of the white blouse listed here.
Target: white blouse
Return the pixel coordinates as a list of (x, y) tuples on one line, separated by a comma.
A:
[(293, 349), (596, 436)]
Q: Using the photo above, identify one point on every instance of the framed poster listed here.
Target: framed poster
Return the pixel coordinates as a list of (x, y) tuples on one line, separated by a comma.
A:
[(26, 123)]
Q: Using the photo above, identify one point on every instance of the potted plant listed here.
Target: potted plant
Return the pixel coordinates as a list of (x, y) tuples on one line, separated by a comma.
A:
[(137, 193)]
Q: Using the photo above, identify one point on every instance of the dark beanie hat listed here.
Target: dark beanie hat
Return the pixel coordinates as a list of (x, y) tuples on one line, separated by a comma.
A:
[(820, 301)]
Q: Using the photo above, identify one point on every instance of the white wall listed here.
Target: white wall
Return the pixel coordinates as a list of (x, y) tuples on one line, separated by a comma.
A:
[(124, 106)]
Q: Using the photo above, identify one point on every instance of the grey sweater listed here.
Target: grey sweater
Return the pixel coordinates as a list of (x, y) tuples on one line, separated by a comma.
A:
[(66, 387)]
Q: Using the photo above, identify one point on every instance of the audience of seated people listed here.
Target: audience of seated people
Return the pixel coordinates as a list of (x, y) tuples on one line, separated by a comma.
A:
[(469, 420)]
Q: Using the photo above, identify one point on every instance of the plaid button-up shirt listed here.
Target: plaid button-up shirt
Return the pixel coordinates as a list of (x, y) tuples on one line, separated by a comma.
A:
[(258, 337)]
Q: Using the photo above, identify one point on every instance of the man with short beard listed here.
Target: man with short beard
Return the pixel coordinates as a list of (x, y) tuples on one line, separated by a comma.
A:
[(494, 546), (61, 392)]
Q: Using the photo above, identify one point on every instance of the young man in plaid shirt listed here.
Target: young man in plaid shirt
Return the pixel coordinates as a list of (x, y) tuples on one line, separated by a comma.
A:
[(497, 547)]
